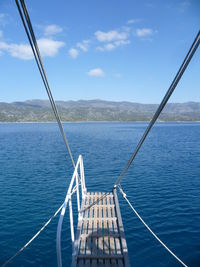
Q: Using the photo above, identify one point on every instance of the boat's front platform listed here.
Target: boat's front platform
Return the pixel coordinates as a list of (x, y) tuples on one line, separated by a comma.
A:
[(100, 239)]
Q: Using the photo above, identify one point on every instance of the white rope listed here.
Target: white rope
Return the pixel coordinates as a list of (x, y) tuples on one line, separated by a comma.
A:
[(124, 196), (30, 241)]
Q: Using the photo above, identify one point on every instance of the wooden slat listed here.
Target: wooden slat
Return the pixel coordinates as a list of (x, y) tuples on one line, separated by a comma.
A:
[(78, 240), (86, 223), (94, 239), (112, 241), (98, 234), (102, 205), (82, 241), (84, 231), (100, 219), (117, 240), (100, 257), (121, 231), (102, 236), (100, 239), (105, 229), (89, 234)]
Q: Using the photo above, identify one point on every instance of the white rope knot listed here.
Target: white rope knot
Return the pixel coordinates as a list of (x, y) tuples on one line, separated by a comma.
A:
[(122, 192)]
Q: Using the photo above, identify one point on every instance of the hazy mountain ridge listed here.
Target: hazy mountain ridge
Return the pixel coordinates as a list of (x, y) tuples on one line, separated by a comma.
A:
[(96, 110)]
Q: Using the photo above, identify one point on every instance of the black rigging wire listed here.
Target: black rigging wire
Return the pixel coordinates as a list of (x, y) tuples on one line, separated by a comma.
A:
[(33, 42), (36, 52), (35, 49), (161, 106)]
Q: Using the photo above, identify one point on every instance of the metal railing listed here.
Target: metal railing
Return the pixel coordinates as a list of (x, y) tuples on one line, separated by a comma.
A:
[(73, 187)]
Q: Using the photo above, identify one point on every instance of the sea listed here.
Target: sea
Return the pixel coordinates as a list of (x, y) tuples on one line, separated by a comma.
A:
[(163, 184)]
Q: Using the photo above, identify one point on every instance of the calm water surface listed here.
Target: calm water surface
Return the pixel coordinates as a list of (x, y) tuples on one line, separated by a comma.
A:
[(163, 184)]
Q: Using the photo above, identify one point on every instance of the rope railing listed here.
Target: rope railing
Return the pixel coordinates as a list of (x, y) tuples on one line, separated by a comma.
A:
[(150, 230), (70, 191), (62, 208), (75, 178), (33, 238)]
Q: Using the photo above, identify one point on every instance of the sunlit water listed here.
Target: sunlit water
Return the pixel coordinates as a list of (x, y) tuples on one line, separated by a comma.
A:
[(163, 184)]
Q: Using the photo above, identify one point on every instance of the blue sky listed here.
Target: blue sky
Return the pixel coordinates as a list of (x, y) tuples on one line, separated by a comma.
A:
[(121, 50)]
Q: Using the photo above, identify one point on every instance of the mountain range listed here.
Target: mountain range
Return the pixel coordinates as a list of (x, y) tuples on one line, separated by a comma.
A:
[(96, 110)]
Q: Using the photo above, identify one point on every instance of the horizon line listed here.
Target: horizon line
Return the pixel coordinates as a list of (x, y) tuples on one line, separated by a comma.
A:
[(96, 99)]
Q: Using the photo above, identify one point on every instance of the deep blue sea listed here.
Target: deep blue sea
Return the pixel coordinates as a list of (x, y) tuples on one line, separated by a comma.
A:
[(163, 184)]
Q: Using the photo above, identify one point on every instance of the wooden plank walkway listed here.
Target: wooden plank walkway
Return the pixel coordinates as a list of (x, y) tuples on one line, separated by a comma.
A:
[(100, 239)]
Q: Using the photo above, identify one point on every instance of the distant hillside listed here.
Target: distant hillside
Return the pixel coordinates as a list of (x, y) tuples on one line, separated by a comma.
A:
[(96, 110)]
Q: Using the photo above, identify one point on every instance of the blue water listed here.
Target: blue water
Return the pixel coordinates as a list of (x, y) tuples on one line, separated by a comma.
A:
[(163, 184)]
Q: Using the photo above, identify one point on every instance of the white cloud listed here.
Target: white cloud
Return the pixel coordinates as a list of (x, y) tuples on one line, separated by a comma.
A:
[(111, 35), (112, 46), (107, 41), (3, 45), (144, 32), (52, 29), (98, 72), (121, 42), (84, 45), (107, 47), (47, 47), (112, 39), (73, 53), (132, 21), (22, 51)]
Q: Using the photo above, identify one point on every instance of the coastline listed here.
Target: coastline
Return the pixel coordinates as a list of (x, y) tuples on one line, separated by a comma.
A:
[(68, 122)]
